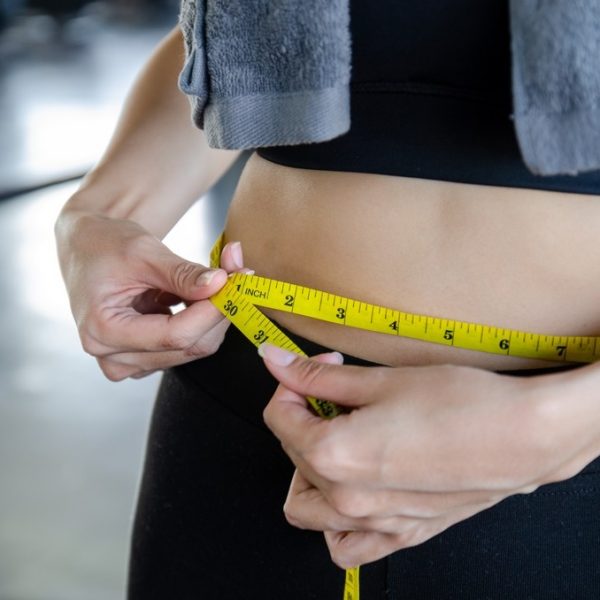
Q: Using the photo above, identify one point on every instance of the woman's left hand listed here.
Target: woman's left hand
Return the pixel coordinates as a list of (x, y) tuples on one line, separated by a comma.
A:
[(422, 449)]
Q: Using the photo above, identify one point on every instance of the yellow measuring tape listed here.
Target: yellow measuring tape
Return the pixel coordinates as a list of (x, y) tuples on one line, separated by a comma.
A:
[(239, 298)]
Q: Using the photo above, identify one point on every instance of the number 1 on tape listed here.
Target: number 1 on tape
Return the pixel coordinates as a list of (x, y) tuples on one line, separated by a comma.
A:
[(258, 328), (239, 298)]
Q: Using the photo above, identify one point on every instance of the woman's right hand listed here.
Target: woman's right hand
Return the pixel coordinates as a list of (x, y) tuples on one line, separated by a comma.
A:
[(121, 281)]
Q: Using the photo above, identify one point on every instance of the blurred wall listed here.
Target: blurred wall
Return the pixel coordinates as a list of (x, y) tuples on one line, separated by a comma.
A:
[(65, 66), (71, 442)]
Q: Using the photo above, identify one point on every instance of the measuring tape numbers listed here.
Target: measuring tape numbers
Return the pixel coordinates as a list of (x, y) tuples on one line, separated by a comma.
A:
[(242, 294), (301, 300)]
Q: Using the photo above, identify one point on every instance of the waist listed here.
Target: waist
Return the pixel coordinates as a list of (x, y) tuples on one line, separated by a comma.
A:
[(514, 258)]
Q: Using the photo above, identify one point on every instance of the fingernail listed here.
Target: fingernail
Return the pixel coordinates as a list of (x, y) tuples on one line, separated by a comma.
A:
[(206, 277), (337, 358), (276, 355), (248, 271), (236, 254)]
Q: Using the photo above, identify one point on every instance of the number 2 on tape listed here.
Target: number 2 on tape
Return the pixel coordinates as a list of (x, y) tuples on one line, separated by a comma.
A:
[(239, 298)]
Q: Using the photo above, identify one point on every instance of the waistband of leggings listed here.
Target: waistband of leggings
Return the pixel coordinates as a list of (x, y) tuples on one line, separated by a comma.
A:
[(312, 348)]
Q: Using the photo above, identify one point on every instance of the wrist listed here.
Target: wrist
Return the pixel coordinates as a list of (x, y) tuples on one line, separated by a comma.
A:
[(107, 197), (567, 419)]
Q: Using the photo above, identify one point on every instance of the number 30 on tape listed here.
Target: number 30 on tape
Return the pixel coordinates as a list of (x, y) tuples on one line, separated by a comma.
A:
[(239, 298)]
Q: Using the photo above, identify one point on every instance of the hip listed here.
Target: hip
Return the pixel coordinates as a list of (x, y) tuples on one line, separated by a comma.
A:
[(210, 522)]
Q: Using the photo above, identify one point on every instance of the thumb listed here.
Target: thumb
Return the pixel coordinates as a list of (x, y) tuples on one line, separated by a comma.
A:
[(349, 386), (289, 416), (188, 280)]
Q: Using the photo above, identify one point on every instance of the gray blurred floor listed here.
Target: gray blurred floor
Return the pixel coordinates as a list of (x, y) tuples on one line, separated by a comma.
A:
[(71, 442)]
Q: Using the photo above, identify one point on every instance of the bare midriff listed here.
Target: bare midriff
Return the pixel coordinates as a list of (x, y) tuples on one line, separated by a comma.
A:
[(513, 258)]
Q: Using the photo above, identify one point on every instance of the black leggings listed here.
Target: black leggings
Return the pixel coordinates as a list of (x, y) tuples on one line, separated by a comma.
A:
[(209, 522)]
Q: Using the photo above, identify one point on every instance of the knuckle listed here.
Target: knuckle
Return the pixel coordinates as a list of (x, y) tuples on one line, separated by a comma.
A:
[(193, 351), (182, 273), (89, 344), (210, 345), (138, 244), (291, 515), (169, 342), (113, 371), (92, 332), (143, 374), (268, 415), (327, 455), (321, 460), (342, 558), (349, 503), (310, 370), (337, 558), (172, 340), (201, 349), (193, 344), (409, 538)]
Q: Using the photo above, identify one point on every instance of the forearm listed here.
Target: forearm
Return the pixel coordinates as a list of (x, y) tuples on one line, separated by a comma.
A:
[(157, 162), (568, 405)]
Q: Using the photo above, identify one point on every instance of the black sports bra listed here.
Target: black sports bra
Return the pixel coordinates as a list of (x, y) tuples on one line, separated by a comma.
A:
[(430, 98)]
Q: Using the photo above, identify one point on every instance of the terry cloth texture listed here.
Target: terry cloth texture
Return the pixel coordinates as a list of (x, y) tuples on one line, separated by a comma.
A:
[(276, 73), (556, 83), (267, 72)]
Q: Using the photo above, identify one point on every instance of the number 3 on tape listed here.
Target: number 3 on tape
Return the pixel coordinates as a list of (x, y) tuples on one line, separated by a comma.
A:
[(239, 298)]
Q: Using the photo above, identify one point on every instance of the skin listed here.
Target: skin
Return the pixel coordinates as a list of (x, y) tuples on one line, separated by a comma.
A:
[(120, 278), (523, 259), (423, 448), (515, 258)]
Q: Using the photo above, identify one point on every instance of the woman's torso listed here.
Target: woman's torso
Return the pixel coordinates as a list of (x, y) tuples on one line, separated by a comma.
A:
[(514, 258), (418, 231)]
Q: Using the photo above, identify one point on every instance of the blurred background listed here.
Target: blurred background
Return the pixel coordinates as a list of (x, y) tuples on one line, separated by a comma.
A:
[(71, 442)]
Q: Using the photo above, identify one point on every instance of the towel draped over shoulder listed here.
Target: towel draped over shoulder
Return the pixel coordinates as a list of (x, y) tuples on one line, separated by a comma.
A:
[(277, 72)]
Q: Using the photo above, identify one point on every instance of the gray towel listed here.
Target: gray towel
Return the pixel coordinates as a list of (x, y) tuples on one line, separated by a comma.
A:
[(556, 83), (277, 72), (267, 72)]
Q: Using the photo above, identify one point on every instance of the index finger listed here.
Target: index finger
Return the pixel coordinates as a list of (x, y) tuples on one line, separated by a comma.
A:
[(348, 385), (131, 331)]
